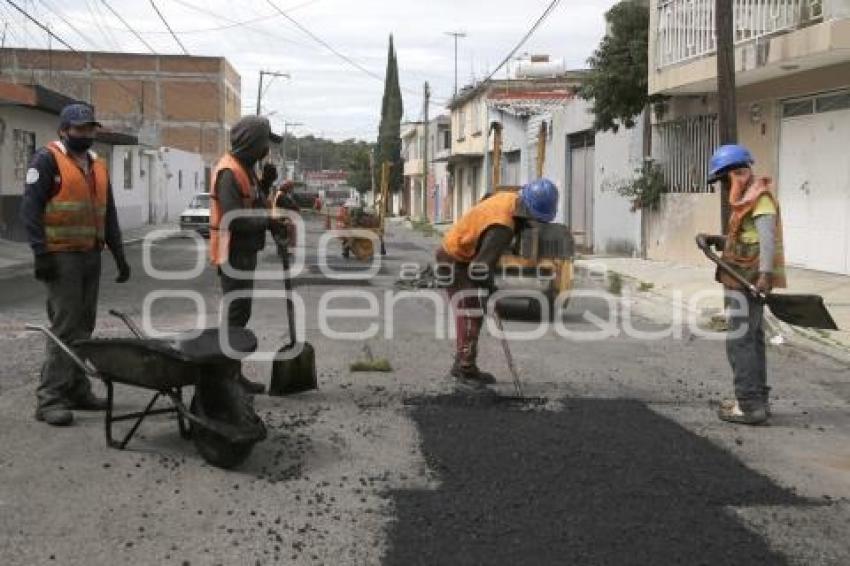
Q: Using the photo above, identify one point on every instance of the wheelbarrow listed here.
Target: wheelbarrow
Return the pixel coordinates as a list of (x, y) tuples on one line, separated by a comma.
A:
[(220, 419)]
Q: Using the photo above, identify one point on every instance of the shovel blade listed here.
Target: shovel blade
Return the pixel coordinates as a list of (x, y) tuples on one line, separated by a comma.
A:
[(801, 310), (294, 374)]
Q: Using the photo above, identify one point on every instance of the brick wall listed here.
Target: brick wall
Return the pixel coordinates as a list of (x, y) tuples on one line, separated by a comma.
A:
[(169, 100)]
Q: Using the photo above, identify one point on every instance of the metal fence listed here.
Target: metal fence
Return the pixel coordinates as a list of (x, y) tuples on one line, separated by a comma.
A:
[(686, 27), (682, 149)]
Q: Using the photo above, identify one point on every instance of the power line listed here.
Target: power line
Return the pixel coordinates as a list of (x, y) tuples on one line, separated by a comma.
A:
[(133, 31), (55, 36), (97, 16), (540, 20), (333, 50), (74, 28), (168, 27)]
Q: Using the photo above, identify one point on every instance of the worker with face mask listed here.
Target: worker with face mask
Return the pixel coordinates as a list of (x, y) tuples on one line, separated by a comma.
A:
[(468, 257), (753, 247), (69, 214), (234, 246)]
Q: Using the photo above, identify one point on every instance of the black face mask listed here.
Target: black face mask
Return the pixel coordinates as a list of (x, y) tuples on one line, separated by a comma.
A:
[(78, 144)]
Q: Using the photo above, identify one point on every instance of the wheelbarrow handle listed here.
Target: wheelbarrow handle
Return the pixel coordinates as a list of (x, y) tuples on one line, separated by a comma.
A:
[(702, 244), (85, 367), (131, 324)]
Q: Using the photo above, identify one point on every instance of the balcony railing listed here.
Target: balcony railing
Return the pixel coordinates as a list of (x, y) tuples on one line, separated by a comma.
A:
[(686, 27)]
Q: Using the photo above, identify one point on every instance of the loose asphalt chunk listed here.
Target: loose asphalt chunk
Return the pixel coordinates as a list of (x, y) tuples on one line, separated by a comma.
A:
[(598, 482)]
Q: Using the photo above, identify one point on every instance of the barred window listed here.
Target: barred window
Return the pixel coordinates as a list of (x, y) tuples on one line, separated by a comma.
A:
[(24, 150)]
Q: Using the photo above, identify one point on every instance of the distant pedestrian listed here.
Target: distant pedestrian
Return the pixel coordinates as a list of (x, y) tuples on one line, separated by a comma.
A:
[(69, 213), (317, 204), (753, 247)]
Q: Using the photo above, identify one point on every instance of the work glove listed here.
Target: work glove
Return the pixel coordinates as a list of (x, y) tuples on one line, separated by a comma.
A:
[(45, 267), (123, 269)]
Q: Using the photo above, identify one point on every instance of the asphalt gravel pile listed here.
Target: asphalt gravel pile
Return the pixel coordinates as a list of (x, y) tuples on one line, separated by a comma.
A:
[(598, 482)]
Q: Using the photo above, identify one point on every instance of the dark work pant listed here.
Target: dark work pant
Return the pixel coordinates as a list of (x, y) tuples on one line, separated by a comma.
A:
[(72, 310), (746, 353), (239, 309)]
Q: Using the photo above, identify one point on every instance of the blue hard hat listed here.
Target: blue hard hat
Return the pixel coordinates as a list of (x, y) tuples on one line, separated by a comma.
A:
[(540, 198), (728, 157), (77, 114)]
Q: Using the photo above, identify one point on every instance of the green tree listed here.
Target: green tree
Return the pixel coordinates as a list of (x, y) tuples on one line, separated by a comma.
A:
[(389, 130), (359, 172), (617, 82)]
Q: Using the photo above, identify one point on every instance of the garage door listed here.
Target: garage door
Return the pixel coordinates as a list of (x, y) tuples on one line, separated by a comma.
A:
[(814, 182)]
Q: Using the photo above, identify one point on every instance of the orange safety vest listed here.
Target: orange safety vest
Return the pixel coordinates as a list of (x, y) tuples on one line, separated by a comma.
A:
[(75, 217), (743, 257), (461, 241), (220, 239)]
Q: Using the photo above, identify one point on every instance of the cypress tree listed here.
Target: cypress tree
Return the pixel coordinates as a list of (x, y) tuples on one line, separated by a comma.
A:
[(389, 130)]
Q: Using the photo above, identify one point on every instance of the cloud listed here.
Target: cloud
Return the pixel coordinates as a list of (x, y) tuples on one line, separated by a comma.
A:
[(325, 93)]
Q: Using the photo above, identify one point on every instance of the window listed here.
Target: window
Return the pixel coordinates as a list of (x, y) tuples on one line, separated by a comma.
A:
[(24, 149), (207, 181), (797, 108), (128, 170), (461, 124), (447, 139), (180, 180), (196, 181), (829, 102)]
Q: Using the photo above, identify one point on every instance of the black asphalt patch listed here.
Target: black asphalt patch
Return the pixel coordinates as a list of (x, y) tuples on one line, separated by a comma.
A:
[(598, 482)]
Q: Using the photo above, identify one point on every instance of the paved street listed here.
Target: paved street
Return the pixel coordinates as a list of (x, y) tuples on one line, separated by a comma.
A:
[(618, 460)]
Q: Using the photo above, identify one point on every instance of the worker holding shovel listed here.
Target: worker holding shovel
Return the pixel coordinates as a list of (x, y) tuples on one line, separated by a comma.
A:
[(467, 259), (752, 248)]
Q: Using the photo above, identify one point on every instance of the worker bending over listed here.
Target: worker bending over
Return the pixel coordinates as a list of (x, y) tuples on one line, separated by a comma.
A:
[(468, 257)]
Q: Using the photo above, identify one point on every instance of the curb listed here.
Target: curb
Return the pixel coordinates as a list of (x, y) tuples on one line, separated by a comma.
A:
[(806, 339)]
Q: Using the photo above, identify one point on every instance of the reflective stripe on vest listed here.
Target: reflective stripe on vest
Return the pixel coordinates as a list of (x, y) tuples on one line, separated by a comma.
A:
[(220, 239), (461, 241), (75, 217)]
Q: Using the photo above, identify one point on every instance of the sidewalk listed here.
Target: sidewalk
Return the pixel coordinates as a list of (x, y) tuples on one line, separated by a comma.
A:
[(16, 257), (654, 284)]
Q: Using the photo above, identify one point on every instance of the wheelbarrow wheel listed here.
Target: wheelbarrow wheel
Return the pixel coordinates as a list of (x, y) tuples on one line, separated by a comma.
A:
[(223, 400)]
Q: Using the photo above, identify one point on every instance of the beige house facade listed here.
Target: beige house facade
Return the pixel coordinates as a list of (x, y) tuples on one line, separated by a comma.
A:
[(792, 62)]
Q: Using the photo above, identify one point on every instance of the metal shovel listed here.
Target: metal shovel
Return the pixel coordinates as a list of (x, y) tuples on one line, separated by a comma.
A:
[(798, 310), (292, 373)]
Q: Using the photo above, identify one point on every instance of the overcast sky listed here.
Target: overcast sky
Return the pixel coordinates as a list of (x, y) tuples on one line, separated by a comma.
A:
[(329, 96)]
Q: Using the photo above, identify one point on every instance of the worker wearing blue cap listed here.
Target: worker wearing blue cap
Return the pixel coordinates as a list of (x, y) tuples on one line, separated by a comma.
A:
[(69, 215)]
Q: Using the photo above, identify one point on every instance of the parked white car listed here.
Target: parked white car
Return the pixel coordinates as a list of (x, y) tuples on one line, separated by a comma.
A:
[(197, 216)]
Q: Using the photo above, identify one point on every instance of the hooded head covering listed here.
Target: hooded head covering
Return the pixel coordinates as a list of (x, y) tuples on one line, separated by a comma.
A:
[(249, 139)]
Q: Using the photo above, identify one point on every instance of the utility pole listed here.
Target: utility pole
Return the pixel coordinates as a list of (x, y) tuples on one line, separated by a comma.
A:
[(456, 35), (260, 85), (283, 143), (726, 100), (425, 99)]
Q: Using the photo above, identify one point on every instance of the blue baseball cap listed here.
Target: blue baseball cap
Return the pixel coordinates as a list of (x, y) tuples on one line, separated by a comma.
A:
[(77, 114)]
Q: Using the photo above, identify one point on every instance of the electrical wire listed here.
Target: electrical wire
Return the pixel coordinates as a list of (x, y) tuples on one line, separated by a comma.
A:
[(58, 38), (128, 26), (65, 20), (338, 53), (97, 19), (540, 20), (168, 27)]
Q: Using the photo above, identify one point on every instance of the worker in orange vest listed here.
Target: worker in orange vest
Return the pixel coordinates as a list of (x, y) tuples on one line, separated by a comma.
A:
[(69, 214), (468, 256), (237, 187)]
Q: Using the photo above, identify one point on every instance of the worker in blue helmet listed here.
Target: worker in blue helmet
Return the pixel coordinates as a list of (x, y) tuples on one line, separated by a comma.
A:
[(469, 253), (753, 247)]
